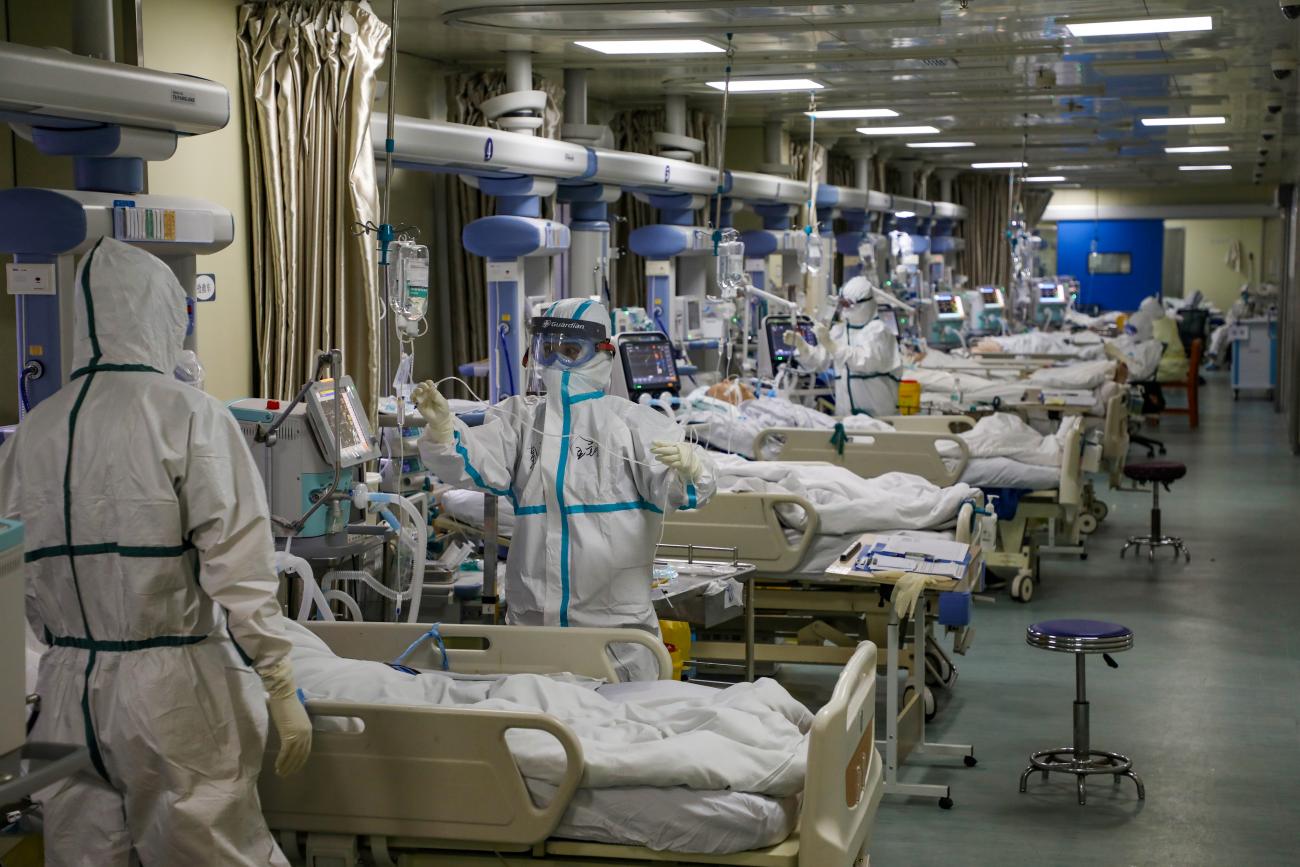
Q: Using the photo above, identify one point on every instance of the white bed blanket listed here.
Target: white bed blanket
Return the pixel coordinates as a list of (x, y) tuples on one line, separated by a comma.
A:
[(1046, 343), (1080, 375), (846, 502), (1007, 435), (731, 428), (750, 737)]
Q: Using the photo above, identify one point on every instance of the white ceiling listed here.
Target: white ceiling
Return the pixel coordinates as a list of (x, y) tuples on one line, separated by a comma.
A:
[(976, 73)]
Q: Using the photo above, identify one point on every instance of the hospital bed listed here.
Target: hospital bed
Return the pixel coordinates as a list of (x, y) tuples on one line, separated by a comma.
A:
[(438, 786)]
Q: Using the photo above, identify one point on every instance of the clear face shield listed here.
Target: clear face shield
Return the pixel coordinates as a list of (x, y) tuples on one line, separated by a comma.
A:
[(566, 343)]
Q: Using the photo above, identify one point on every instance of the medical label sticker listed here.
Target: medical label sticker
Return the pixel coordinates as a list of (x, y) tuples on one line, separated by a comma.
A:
[(30, 279), (205, 287)]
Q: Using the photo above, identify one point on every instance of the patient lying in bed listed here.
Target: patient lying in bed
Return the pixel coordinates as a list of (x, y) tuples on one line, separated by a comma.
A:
[(668, 765)]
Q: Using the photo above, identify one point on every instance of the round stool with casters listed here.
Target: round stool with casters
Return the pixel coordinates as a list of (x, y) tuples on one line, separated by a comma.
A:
[(1157, 473), (1081, 637)]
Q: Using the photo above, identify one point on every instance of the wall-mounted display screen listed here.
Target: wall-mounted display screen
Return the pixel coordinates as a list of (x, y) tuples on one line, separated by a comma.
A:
[(1110, 263)]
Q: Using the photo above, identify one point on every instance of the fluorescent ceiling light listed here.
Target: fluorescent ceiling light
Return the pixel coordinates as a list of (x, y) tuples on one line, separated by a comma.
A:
[(1204, 168), (1005, 165), (832, 113), (903, 215), (1198, 149), (652, 46), (767, 85), (941, 144), (1209, 120), (1141, 26), (1045, 179), (898, 130)]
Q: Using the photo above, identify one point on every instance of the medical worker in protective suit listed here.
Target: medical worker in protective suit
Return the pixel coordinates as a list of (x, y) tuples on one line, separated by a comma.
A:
[(150, 576), (861, 348), (590, 477)]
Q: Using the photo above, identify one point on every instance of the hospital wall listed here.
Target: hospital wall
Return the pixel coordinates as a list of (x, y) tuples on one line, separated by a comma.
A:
[(211, 166), (197, 37), (1206, 248)]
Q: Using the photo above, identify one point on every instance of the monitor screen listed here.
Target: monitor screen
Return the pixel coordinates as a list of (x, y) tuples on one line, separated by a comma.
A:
[(693, 317), (648, 364), (1049, 291), (351, 432), (776, 329), (947, 305), (991, 296)]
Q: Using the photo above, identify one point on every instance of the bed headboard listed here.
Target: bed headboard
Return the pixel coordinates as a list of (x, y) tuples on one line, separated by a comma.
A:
[(844, 782), (474, 648), (869, 454), (748, 522)]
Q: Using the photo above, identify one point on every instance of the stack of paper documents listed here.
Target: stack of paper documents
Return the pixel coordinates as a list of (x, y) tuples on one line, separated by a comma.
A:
[(938, 557)]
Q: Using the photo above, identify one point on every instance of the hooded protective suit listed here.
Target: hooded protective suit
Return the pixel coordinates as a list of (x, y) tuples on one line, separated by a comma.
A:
[(149, 571), (587, 518), (1151, 323), (864, 353)]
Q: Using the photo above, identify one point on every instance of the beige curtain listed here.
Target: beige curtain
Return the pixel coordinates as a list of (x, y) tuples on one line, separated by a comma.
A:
[(987, 258), (468, 276), (634, 132), (308, 74), (1035, 203)]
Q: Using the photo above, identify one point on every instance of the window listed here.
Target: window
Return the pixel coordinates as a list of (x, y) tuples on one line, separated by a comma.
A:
[(1110, 263)]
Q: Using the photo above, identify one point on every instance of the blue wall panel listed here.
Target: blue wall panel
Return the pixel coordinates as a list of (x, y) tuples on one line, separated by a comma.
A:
[(1144, 240)]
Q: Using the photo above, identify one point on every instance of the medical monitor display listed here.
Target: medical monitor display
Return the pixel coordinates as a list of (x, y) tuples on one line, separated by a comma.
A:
[(1050, 291), (776, 329), (648, 364), (947, 305), (991, 296)]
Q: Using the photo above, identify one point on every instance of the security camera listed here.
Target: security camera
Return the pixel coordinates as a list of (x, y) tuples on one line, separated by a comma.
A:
[(1283, 62), (1274, 107), (1289, 9)]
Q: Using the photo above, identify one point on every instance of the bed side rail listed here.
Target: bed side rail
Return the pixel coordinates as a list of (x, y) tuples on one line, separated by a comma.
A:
[(845, 776), (747, 521), (870, 454), (430, 772), (474, 648), (1070, 492), (953, 424)]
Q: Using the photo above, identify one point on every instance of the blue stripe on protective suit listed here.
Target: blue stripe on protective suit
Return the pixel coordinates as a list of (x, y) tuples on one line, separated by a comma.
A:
[(476, 475), (559, 498)]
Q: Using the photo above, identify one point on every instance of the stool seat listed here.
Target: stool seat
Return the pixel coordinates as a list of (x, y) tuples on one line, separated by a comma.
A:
[(1079, 636), (1156, 471)]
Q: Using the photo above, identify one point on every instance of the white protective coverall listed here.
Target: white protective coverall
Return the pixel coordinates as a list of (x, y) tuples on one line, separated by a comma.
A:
[(864, 353), (587, 519), (149, 571)]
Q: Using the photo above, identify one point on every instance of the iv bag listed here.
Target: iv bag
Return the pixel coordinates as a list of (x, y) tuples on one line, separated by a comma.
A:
[(810, 254), (731, 264), (408, 279)]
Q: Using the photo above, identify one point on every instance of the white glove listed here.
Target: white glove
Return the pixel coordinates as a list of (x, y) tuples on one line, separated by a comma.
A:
[(907, 592), (824, 338), (682, 457), (289, 718), (436, 411)]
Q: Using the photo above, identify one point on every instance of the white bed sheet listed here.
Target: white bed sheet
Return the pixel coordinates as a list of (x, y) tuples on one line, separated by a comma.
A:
[(1010, 473)]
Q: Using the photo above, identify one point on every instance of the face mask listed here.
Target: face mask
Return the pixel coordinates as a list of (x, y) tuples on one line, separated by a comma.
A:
[(593, 376)]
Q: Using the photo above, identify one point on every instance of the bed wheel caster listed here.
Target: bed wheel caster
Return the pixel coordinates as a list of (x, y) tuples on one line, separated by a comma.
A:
[(1087, 523), (1099, 510), (1022, 587), (945, 803), (970, 761)]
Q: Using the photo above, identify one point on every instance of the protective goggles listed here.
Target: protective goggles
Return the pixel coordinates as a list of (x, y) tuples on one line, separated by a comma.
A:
[(567, 342)]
